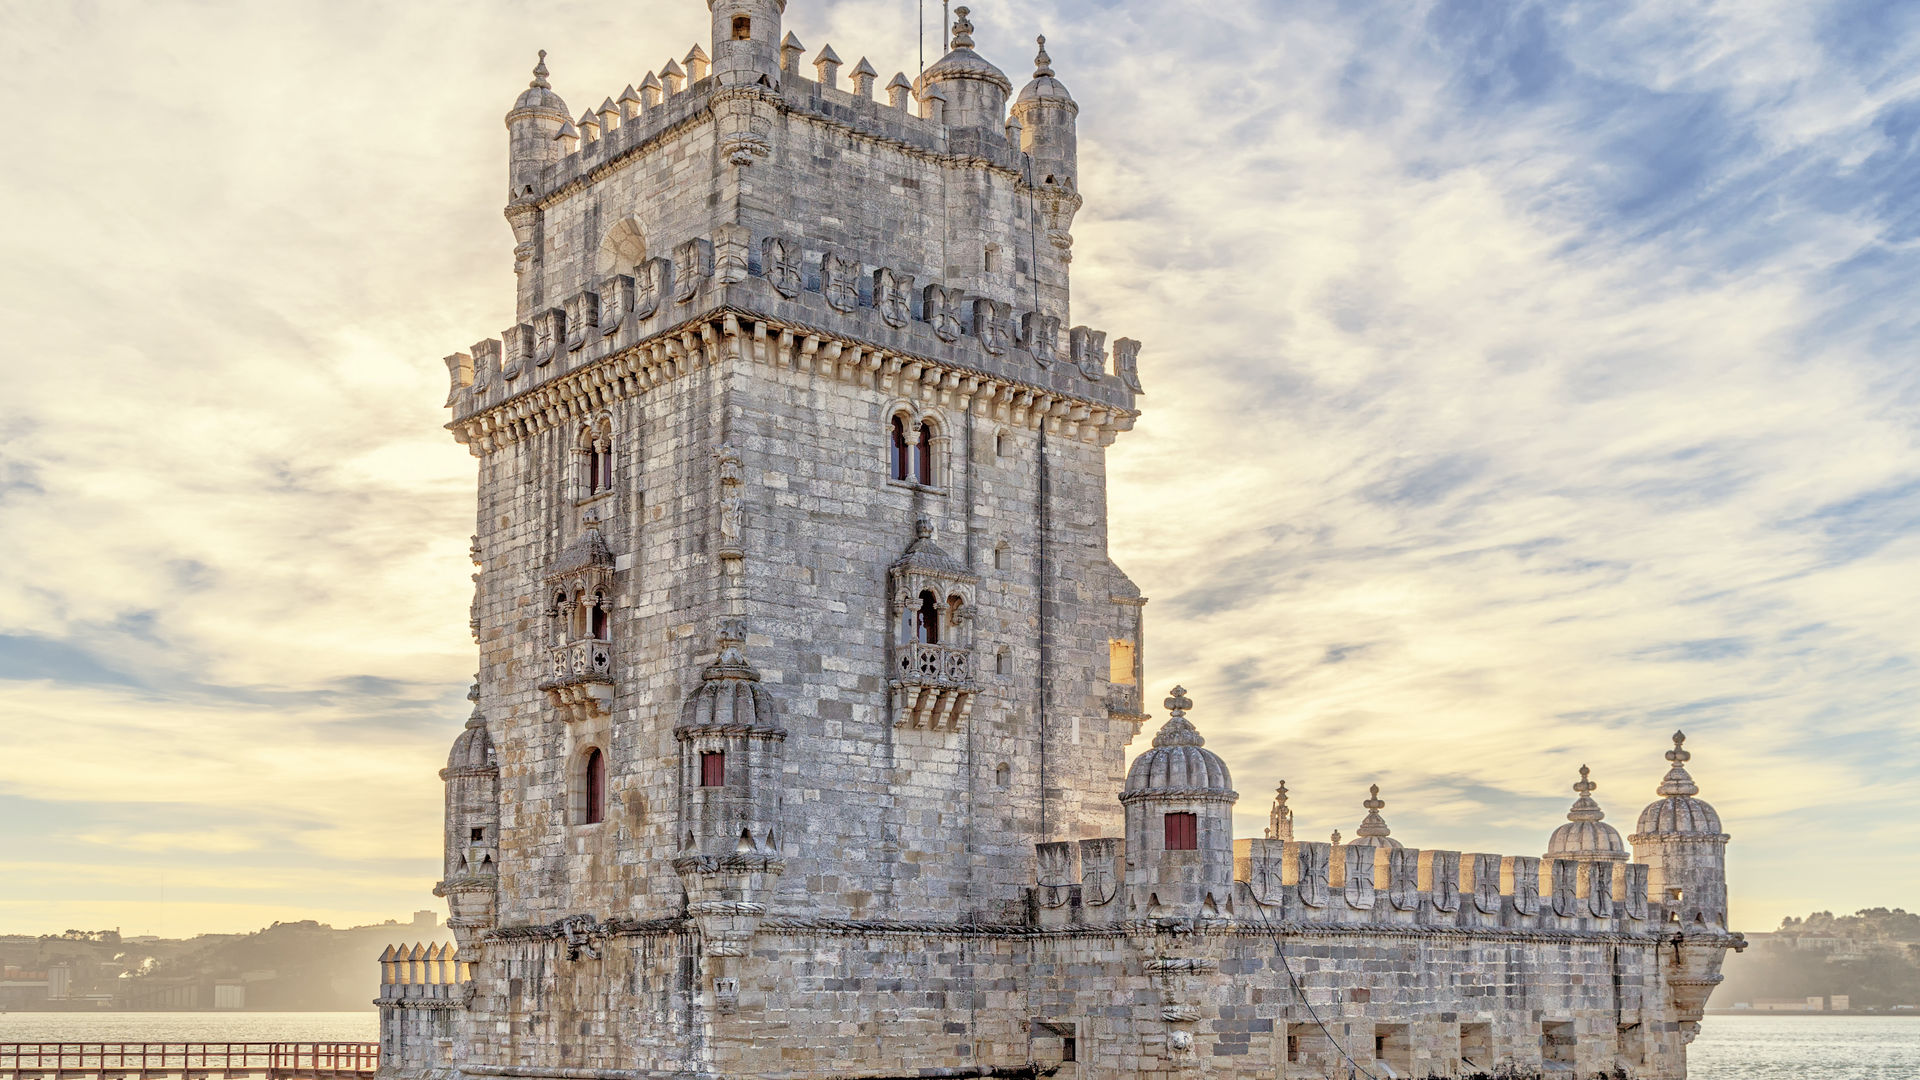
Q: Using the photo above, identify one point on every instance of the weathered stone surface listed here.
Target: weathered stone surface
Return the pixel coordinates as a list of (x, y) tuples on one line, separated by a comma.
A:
[(799, 746)]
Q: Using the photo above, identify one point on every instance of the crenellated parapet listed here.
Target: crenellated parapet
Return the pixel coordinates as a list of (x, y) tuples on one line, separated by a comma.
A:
[(799, 305)]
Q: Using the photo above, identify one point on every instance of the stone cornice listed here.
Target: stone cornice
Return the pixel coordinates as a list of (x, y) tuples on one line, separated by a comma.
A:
[(730, 332)]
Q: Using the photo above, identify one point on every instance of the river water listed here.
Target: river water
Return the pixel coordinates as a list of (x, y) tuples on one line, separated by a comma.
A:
[(1729, 1047)]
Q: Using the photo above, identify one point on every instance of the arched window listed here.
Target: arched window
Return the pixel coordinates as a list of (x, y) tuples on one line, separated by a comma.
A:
[(594, 784), (926, 620), (923, 455), (594, 454), (954, 604), (581, 627), (899, 464), (598, 617), (559, 617)]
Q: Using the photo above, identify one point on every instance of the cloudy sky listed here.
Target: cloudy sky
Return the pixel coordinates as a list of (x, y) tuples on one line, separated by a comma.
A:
[(1526, 381)]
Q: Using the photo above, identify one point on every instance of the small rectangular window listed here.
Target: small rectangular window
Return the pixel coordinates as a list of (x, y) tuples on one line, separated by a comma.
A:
[(713, 769), (1183, 833), (742, 28), (477, 835), (1070, 1049), (1120, 662)]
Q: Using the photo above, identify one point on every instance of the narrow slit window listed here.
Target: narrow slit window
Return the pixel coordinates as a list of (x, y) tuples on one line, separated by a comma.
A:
[(713, 769), (742, 28), (926, 620), (596, 788), (899, 466), (1183, 832)]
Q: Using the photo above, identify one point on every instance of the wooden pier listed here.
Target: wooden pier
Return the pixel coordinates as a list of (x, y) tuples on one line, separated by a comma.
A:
[(188, 1061)]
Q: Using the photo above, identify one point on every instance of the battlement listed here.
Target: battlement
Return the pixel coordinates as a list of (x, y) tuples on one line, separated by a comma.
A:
[(423, 976), (1305, 884), (802, 304)]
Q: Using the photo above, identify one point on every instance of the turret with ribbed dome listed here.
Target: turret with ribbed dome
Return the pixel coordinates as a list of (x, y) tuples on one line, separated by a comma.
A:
[(974, 89), (1679, 838), (532, 123), (472, 868), (1586, 837), (1179, 801), (1373, 831)]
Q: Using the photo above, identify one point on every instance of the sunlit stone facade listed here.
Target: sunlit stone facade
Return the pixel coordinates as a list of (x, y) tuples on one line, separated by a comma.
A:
[(806, 685)]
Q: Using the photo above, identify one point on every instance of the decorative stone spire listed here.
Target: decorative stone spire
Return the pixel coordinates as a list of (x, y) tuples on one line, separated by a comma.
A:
[(1374, 824), (1280, 818), (863, 79), (731, 663), (1584, 808), (790, 53), (962, 30), (540, 74), (1042, 63), (1335, 839), (1178, 730), (1678, 781), (698, 63)]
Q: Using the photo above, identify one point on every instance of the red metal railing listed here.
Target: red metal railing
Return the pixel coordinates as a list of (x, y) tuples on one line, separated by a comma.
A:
[(272, 1060)]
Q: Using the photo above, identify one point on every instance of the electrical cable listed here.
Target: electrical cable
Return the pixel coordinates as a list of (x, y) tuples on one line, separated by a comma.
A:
[(1280, 948)]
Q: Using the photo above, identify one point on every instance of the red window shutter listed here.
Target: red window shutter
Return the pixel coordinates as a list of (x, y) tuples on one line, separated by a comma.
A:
[(713, 769), (1183, 833)]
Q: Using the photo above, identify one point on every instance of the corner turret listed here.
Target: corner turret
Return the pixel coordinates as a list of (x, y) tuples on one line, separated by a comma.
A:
[(472, 867), (746, 40), (1679, 838), (1179, 802), (532, 125), (974, 90), (1047, 115)]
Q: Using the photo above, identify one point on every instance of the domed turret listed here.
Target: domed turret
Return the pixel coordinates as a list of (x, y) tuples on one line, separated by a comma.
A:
[(1586, 837), (1373, 831), (472, 776), (1047, 126), (746, 40), (537, 116), (975, 91), (1679, 839), (1179, 801)]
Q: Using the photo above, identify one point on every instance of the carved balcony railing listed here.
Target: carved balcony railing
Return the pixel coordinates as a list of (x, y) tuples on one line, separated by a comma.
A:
[(579, 678), (932, 686)]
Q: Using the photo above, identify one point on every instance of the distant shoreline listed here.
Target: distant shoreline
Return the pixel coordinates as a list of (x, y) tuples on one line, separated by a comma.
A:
[(1901, 1015)]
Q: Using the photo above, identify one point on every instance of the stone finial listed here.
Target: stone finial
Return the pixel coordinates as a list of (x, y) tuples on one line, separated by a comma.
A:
[(630, 103), (730, 662), (933, 104), (1335, 839), (540, 74), (609, 115), (863, 78), (1016, 131), (1678, 781), (923, 529), (1373, 824), (673, 78), (651, 90), (790, 52), (1584, 808), (899, 91), (1042, 63), (698, 63), (962, 30), (568, 136), (826, 66), (1280, 818), (1178, 730), (589, 127)]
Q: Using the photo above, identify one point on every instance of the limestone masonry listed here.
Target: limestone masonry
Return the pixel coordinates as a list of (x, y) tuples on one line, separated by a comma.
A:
[(806, 683)]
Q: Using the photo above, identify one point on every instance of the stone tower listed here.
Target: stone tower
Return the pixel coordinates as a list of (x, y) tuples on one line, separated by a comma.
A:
[(806, 684)]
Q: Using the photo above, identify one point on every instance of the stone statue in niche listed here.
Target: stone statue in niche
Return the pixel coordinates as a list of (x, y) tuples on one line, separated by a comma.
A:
[(653, 280), (1040, 336), (941, 308), (518, 342), (840, 282), (549, 334), (892, 292), (780, 261), (732, 503), (693, 265), (1089, 351), (583, 316), (616, 303), (1126, 363), (990, 319)]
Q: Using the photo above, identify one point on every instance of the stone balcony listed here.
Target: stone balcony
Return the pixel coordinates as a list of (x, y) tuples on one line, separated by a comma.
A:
[(579, 679), (932, 686)]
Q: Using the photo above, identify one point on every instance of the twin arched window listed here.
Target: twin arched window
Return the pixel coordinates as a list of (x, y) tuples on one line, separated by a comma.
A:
[(911, 454), (931, 622), (583, 618)]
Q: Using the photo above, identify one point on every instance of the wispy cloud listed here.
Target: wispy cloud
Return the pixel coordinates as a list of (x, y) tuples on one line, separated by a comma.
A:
[(1525, 380)]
